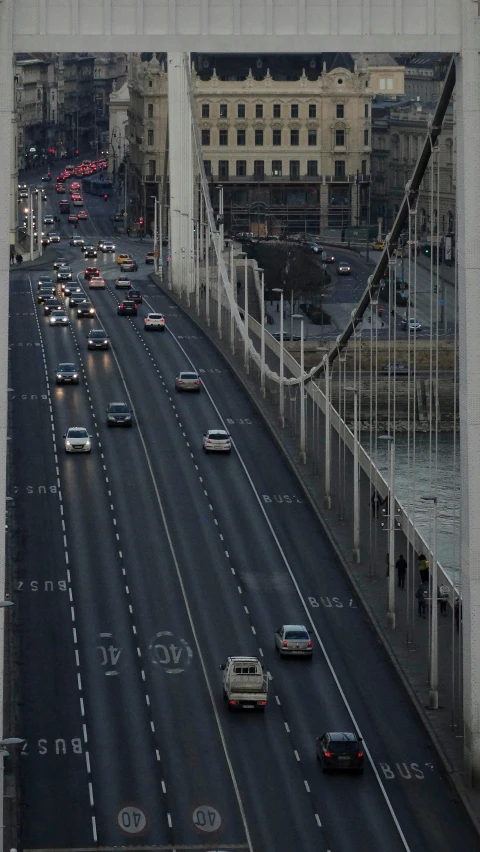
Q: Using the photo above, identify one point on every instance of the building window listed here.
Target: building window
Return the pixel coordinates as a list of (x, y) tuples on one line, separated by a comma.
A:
[(364, 167), (293, 110), (312, 168), (339, 137), (149, 110), (277, 111), (366, 137), (152, 168), (312, 137), (150, 136), (150, 84), (294, 168), (259, 137), (223, 137), (205, 110), (258, 110), (366, 111), (223, 111), (276, 167), (240, 110), (294, 137), (258, 168), (207, 164), (340, 111), (241, 168), (276, 137), (339, 168), (205, 137), (312, 110), (241, 137), (223, 168)]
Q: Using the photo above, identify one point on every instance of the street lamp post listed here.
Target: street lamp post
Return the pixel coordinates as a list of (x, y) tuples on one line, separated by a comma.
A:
[(303, 455), (328, 455), (245, 318), (281, 416), (234, 290), (356, 478), (197, 266), (262, 332), (433, 673), (39, 223), (155, 234), (219, 278), (391, 531), (220, 217), (207, 276)]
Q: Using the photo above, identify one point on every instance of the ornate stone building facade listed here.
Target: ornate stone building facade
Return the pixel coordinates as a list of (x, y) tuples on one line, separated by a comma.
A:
[(290, 143)]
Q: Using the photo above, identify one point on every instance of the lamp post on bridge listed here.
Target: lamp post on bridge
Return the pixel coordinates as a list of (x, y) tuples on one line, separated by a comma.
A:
[(281, 413), (356, 478), (303, 454), (433, 668), (391, 531)]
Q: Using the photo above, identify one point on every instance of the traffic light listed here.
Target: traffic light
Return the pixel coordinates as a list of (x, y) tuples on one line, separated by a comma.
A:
[(140, 222), (426, 250)]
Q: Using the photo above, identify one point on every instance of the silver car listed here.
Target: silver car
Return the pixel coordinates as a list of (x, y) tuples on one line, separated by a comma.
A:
[(293, 640), (217, 441), (187, 382), (58, 318), (77, 440), (66, 374)]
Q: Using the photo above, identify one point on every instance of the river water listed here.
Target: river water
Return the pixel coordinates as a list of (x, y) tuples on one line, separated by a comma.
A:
[(433, 474)]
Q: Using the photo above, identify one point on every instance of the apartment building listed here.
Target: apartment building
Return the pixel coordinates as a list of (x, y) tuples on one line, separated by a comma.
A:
[(288, 138)]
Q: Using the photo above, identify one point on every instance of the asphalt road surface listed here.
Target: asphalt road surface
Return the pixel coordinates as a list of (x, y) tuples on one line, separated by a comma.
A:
[(141, 566)]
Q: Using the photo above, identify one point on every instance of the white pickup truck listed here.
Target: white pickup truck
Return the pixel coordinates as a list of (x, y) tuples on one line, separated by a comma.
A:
[(244, 683)]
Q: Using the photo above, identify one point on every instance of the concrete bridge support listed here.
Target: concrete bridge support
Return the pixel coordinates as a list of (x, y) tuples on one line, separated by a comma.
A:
[(467, 106), (181, 176)]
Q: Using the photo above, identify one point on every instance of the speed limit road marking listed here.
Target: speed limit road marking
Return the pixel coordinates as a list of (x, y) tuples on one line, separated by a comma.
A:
[(132, 820)]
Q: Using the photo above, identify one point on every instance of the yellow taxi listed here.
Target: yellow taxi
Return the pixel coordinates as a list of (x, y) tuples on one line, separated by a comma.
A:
[(378, 245), (123, 257)]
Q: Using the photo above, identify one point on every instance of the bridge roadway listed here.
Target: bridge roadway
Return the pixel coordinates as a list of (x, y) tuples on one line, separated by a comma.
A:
[(161, 558)]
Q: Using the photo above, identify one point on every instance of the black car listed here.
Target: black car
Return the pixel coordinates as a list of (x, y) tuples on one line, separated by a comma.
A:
[(127, 308), (75, 299), (89, 251), (45, 293), (71, 289), (340, 750), (46, 178), (51, 304), (91, 272), (45, 281), (66, 374), (97, 339), (119, 414), (85, 309), (136, 296)]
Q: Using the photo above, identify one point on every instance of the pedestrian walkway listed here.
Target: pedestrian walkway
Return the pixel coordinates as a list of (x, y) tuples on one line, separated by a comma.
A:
[(407, 646)]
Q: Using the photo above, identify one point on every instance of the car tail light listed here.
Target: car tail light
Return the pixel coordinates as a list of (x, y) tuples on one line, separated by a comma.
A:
[(134, 305), (360, 754), (262, 703), (309, 643), (197, 382), (233, 703), (328, 754), (285, 643), (180, 382)]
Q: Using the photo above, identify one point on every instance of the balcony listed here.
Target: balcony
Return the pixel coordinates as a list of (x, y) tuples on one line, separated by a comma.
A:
[(150, 177), (265, 178)]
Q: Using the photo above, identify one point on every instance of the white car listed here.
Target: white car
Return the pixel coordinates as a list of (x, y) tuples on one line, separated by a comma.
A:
[(48, 220), (96, 283), (77, 240), (217, 440), (154, 321), (107, 246), (77, 440), (58, 318), (123, 283)]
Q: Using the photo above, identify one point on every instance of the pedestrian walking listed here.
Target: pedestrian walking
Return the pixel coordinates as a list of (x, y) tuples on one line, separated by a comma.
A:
[(401, 566), (423, 567), (19, 258), (375, 503), (442, 595), (12, 254), (421, 595)]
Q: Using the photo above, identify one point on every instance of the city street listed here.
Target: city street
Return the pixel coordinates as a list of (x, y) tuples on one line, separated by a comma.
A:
[(141, 566)]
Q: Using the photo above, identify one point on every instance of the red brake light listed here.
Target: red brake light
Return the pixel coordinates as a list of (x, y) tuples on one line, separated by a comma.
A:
[(328, 754), (285, 643), (309, 643), (233, 702), (262, 703), (197, 382), (360, 754), (180, 382)]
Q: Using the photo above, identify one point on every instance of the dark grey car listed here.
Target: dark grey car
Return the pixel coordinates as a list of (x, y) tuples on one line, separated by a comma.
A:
[(97, 339), (67, 374), (119, 414)]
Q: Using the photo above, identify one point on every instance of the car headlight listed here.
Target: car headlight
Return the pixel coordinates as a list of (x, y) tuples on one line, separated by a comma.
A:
[(91, 311), (59, 375), (111, 417), (87, 443), (68, 443), (75, 376)]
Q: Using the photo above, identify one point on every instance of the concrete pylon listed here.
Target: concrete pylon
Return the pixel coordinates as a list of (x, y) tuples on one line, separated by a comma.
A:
[(467, 106), (181, 176)]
